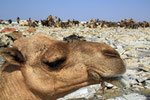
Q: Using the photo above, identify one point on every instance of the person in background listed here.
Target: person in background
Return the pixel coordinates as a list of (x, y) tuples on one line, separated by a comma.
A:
[(18, 19)]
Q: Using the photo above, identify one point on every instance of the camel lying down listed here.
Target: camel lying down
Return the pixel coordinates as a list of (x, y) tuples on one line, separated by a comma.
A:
[(43, 68)]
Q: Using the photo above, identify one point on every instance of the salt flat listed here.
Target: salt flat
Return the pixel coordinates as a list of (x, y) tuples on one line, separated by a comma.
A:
[(132, 44)]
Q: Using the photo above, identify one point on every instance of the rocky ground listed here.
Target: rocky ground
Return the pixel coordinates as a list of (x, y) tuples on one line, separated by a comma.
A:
[(132, 44)]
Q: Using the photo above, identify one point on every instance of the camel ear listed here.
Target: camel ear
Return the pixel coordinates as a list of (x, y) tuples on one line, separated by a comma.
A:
[(12, 56)]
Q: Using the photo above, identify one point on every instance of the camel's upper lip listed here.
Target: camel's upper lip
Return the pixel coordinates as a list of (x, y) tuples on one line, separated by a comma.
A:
[(96, 75), (102, 72)]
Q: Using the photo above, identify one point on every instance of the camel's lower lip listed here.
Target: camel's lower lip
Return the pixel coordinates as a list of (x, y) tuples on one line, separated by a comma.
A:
[(96, 76)]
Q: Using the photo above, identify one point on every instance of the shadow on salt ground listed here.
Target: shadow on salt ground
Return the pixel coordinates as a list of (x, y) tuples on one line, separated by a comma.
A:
[(1, 61)]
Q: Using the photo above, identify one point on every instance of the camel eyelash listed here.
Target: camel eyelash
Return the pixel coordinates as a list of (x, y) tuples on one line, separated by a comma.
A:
[(55, 64), (111, 53)]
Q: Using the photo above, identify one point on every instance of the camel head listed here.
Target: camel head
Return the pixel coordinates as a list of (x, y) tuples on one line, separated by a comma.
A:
[(52, 68)]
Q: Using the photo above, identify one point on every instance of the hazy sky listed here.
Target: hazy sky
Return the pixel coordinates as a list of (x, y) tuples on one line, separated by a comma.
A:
[(83, 10)]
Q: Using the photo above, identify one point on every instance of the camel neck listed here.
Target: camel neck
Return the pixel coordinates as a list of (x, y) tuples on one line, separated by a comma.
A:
[(12, 86)]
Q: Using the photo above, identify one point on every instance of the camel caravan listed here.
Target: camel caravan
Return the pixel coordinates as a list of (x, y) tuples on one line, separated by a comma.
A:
[(96, 23), (52, 21), (57, 22), (27, 23)]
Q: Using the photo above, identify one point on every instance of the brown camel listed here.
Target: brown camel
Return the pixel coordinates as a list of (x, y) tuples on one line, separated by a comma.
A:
[(43, 68)]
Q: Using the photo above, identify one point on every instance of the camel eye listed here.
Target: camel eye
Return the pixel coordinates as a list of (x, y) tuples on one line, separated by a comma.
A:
[(56, 64)]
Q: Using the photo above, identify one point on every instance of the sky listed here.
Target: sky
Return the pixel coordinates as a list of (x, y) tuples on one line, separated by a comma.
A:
[(82, 10)]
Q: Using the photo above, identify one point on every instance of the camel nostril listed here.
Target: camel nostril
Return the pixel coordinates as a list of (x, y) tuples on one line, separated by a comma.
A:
[(111, 53)]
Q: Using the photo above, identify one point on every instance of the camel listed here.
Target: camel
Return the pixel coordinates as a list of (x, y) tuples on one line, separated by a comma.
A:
[(93, 20), (51, 18), (75, 22), (23, 23), (28, 23), (43, 68)]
